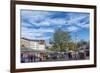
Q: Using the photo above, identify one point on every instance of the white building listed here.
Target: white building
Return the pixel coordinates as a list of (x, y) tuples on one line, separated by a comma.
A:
[(34, 48), (33, 44)]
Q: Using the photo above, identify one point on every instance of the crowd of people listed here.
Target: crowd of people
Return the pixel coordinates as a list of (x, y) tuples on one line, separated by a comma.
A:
[(31, 57), (27, 57)]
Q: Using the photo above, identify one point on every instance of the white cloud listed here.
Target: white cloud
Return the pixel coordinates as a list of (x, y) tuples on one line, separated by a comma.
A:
[(42, 18), (42, 23), (74, 20), (42, 30), (58, 21), (82, 25), (35, 14), (72, 28), (48, 21), (25, 24), (35, 17), (33, 33)]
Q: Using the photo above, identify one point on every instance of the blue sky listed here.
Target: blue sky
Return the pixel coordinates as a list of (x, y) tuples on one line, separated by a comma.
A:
[(42, 24)]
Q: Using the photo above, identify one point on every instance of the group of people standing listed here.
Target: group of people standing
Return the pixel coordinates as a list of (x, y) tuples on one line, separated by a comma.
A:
[(31, 57), (39, 56)]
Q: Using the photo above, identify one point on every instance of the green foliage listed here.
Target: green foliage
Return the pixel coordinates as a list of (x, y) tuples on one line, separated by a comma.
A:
[(72, 46), (60, 40), (82, 42)]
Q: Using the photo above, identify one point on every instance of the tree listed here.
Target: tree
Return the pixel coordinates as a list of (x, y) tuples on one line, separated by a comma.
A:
[(72, 46), (60, 40), (82, 42)]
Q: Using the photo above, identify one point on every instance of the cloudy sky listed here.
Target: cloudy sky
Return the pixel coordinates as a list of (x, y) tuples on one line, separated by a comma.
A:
[(41, 24)]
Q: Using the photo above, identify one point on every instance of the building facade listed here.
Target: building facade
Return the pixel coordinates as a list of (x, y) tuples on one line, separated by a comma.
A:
[(33, 44), (32, 50)]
